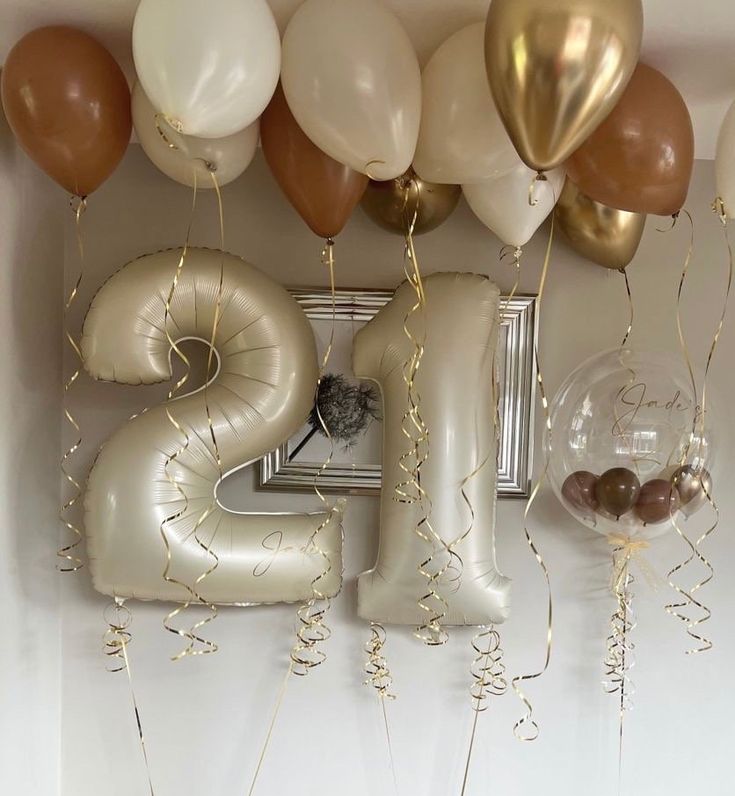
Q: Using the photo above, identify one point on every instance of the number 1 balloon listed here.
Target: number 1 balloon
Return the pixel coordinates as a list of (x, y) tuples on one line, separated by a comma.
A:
[(68, 104), (557, 68)]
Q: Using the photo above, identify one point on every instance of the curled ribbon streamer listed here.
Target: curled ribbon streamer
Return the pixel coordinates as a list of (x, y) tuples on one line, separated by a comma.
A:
[(533, 200), (380, 678), (410, 490), (527, 718), (697, 424), (488, 674), (313, 631), (620, 649), (631, 308), (116, 639), (70, 561)]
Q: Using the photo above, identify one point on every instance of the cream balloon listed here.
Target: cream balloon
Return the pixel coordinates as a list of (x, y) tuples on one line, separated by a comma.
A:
[(503, 204), (187, 159), (352, 81), (456, 384), (725, 164), (261, 394), (462, 138), (210, 68)]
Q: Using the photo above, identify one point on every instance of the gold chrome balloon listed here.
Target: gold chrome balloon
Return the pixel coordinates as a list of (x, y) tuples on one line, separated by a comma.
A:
[(394, 204), (693, 486), (606, 236), (556, 69)]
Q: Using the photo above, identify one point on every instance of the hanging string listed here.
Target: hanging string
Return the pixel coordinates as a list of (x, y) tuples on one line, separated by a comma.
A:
[(631, 309), (488, 674), (67, 553), (313, 631), (115, 646), (380, 678), (688, 595), (526, 728)]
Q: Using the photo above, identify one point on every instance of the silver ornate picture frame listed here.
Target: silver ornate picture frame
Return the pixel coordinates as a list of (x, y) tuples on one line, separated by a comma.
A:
[(357, 470)]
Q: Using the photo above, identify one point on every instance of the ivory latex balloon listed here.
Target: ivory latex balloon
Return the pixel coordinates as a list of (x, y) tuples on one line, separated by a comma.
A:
[(209, 67), (725, 163), (557, 68), (462, 138), (353, 83), (503, 204), (456, 385), (602, 234), (151, 480), (187, 159)]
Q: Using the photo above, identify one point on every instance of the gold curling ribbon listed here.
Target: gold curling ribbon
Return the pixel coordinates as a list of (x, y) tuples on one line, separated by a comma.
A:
[(533, 200), (527, 719), (631, 309), (410, 490), (380, 678), (620, 649), (116, 639), (313, 631), (488, 674), (698, 418), (70, 561)]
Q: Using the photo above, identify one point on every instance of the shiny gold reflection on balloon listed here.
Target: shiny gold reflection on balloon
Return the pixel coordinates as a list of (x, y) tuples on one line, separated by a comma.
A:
[(394, 204)]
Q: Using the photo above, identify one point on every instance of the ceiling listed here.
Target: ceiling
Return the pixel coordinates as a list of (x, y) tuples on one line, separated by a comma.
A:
[(691, 41)]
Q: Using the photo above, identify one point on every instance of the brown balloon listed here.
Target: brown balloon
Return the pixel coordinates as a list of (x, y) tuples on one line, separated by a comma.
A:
[(641, 157), (657, 501), (617, 490), (599, 233), (579, 490), (395, 204), (323, 191), (693, 485), (68, 104)]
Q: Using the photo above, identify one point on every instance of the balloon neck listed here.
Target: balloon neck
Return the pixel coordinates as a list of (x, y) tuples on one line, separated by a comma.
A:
[(541, 177)]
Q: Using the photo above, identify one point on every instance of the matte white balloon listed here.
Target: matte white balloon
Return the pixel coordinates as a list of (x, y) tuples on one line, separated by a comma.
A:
[(187, 159), (462, 138), (503, 204), (260, 396), (456, 385), (725, 163), (353, 83), (209, 67)]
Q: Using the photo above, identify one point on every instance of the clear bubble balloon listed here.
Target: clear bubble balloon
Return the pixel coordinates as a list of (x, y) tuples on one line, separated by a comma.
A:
[(630, 448)]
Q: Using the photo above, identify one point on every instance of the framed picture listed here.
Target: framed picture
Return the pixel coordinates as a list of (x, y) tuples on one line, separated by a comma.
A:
[(357, 469)]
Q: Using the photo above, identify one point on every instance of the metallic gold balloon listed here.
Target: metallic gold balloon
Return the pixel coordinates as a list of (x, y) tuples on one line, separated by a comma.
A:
[(556, 69), (693, 486), (602, 234), (393, 204)]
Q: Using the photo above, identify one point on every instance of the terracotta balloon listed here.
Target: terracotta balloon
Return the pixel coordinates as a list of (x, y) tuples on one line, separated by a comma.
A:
[(68, 104), (556, 69), (602, 234), (692, 485), (394, 204), (579, 490), (641, 157), (323, 191), (617, 490), (657, 501)]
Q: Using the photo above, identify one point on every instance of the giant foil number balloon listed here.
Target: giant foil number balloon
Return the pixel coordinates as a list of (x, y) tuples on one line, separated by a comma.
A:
[(261, 394), (628, 446), (209, 67), (557, 68), (353, 82), (456, 385)]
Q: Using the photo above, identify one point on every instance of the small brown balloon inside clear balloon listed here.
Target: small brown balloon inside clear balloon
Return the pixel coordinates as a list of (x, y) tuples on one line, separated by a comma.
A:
[(617, 490), (579, 491), (657, 502), (692, 485)]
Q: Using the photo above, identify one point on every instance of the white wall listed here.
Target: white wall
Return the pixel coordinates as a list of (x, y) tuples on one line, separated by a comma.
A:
[(205, 718), (31, 269)]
